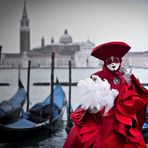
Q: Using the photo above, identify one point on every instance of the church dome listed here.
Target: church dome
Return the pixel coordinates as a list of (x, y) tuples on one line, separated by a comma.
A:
[(65, 38)]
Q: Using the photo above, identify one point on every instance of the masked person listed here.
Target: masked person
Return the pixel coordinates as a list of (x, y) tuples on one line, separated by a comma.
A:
[(113, 106)]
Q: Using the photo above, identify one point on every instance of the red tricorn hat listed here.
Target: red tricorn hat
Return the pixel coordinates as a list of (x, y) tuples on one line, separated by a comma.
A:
[(106, 50)]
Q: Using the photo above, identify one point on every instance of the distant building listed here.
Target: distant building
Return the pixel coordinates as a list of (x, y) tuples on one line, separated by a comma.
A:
[(65, 50), (136, 59), (24, 32), (82, 57), (17, 59)]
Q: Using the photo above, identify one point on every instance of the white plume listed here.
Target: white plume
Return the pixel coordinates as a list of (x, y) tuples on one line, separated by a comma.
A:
[(96, 93)]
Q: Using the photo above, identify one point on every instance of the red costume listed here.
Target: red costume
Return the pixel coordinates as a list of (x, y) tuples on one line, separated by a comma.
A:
[(121, 128)]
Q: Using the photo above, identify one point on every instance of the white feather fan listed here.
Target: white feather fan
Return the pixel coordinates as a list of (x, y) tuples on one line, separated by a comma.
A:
[(96, 93)]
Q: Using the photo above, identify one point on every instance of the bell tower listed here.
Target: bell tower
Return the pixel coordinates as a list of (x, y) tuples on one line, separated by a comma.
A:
[(24, 31)]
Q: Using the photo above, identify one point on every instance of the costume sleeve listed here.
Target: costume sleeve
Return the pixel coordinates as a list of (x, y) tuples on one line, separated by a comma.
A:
[(86, 125), (78, 115), (143, 92), (131, 109), (133, 103), (140, 89)]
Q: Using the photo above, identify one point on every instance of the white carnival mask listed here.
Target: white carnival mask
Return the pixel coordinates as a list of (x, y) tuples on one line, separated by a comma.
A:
[(112, 63)]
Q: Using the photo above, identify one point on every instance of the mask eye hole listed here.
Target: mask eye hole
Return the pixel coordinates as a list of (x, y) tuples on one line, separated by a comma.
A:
[(112, 60), (116, 60), (108, 61)]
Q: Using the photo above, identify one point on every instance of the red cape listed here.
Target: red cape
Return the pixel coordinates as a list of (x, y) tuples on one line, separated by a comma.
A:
[(121, 130)]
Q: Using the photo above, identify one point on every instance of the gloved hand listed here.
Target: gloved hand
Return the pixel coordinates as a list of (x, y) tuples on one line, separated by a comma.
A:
[(93, 110), (126, 74)]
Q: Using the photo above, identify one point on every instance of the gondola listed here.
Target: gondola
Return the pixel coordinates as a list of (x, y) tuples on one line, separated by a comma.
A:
[(10, 110), (145, 132), (40, 121)]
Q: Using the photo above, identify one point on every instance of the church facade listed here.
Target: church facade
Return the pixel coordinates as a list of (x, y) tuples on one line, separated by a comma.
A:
[(65, 50)]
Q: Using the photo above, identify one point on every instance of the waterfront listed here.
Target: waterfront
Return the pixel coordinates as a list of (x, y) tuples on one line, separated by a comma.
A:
[(38, 93)]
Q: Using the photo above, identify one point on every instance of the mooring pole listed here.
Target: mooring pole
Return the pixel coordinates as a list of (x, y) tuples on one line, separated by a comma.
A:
[(69, 89), (0, 54), (52, 85), (28, 86), (19, 74), (69, 121)]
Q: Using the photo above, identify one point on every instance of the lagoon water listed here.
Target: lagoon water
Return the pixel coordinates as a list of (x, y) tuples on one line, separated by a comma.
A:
[(38, 93)]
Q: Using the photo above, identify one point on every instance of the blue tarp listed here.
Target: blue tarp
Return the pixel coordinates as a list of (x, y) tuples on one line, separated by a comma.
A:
[(21, 123)]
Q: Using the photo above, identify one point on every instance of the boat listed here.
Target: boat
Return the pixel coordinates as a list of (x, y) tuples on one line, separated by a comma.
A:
[(145, 127), (11, 109), (145, 132), (40, 121)]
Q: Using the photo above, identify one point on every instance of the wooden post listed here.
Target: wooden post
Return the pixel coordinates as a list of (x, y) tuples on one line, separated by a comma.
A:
[(69, 121), (19, 74), (52, 85), (69, 111), (28, 86), (0, 54)]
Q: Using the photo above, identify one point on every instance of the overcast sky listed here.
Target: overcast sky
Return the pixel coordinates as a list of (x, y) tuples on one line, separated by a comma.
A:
[(99, 20)]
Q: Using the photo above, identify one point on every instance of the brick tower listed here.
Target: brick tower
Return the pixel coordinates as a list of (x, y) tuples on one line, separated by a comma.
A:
[(24, 31)]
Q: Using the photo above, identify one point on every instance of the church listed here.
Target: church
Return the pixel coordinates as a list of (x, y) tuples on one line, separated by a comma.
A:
[(65, 50)]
